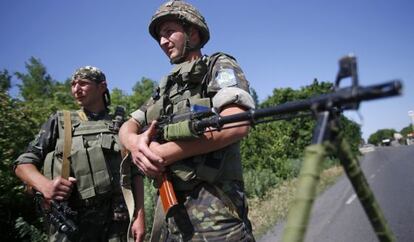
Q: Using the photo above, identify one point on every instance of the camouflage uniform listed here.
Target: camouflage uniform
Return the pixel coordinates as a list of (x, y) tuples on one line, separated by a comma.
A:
[(209, 187), (101, 215)]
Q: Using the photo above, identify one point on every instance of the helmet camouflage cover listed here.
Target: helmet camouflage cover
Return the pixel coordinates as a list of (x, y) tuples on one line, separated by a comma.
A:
[(182, 11), (90, 73)]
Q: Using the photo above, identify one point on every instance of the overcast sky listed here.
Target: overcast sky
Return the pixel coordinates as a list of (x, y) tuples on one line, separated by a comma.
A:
[(277, 43)]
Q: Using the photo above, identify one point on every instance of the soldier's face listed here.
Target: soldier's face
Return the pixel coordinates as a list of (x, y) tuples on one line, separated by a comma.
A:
[(172, 39), (88, 94)]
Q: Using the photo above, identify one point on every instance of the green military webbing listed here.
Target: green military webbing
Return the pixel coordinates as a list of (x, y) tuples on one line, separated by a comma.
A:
[(67, 147)]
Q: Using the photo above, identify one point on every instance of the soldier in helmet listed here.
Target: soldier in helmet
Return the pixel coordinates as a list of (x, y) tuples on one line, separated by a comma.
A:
[(91, 163), (206, 171)]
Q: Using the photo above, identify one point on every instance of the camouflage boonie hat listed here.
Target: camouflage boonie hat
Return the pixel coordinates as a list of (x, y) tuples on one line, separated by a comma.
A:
[(89, 72), (181, 11)]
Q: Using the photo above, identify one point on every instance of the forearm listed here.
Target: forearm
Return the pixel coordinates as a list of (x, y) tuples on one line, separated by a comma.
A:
[(31, 176), (208, 142), (128, 133), (138, 196), (138, 225)]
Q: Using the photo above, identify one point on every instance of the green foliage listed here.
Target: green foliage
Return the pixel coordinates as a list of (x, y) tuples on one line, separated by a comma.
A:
[(255, 97), (42, 95), (142, 91), (258, 181), (351, 132), (36, 83), (269, 145), (407, 130), (119, 98), (28, 232), (381, 134), (5, 81), (15, 133), (273, 151), (150, 195)]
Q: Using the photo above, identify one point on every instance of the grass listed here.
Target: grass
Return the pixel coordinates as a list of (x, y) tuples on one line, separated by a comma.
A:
[(266, 212)]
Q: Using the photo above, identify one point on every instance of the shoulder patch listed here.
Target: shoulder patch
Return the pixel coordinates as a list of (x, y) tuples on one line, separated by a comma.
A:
[(226, 77)]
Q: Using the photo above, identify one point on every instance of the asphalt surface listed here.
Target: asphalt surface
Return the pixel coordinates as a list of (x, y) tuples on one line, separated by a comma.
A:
[(337, 214)]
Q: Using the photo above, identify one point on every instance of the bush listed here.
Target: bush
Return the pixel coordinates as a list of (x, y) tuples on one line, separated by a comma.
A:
[(28, 232), (257, 182), (149, 203)]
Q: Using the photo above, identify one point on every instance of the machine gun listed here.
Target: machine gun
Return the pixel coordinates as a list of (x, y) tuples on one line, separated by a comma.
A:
[(326, 108), (59, 214)]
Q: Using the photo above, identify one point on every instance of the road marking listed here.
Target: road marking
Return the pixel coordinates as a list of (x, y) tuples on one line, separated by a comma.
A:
[(351, 199), (372, 176)]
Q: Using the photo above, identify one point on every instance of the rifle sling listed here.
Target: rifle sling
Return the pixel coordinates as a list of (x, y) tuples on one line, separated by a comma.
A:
[(67, 146)]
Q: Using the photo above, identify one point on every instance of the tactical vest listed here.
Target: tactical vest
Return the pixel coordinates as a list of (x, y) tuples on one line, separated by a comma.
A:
[(187, 85), (94, 158)]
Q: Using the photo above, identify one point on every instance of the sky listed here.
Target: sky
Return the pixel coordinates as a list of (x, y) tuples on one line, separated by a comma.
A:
[(278, 43)]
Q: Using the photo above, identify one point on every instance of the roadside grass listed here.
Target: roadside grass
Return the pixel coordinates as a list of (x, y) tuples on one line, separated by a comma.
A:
[(264, 213)]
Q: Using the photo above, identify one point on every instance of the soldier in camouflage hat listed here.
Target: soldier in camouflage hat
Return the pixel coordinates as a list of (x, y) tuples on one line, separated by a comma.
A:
[(206, 171), (87, 140), (93, 74)]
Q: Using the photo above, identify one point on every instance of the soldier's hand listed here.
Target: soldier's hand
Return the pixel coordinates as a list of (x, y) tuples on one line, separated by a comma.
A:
[(138, 230), (146, 160), (59, 189)]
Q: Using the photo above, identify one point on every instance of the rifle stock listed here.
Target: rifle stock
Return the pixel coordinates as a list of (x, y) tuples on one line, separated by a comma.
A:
[(164, 185), (167, 193)]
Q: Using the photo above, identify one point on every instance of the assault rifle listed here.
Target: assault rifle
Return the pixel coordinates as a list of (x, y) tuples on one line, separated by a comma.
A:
[(59, 214), (326, 138)]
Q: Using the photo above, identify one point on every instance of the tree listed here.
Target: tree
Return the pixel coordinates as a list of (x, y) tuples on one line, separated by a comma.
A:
[(409, 129), (119, 98), (277, 147), (380, 135), (142, 90), (255, 97), (36, 83), (15, 133), (42, 95), (5, 81), (352, 132)]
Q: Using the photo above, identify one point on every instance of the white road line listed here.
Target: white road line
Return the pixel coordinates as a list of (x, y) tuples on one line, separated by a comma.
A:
[(372, 176), (351, 199)]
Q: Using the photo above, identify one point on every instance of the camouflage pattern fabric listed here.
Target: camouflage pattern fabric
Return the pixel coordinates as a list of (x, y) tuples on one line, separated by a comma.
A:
[(90, 73), (181, 11), (226, 72), (209, 213)]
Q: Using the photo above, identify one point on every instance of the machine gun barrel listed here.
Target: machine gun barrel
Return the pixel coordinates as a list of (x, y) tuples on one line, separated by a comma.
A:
[(343, 99)]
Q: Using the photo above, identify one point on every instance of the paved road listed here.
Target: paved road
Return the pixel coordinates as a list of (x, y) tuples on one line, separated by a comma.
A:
[(337, 214)]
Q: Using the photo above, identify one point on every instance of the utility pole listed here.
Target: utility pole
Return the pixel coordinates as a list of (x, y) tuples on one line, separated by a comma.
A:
[(410, 137)]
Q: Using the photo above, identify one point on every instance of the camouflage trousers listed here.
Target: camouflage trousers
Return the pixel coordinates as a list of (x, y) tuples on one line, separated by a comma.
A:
[(95, 224), (207, 213)]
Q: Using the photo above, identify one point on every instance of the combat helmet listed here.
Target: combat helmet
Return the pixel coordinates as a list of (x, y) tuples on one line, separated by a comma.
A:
[(182, 11)]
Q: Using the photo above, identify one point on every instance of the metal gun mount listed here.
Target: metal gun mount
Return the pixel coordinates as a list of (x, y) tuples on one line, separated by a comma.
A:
[(347, 68)]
